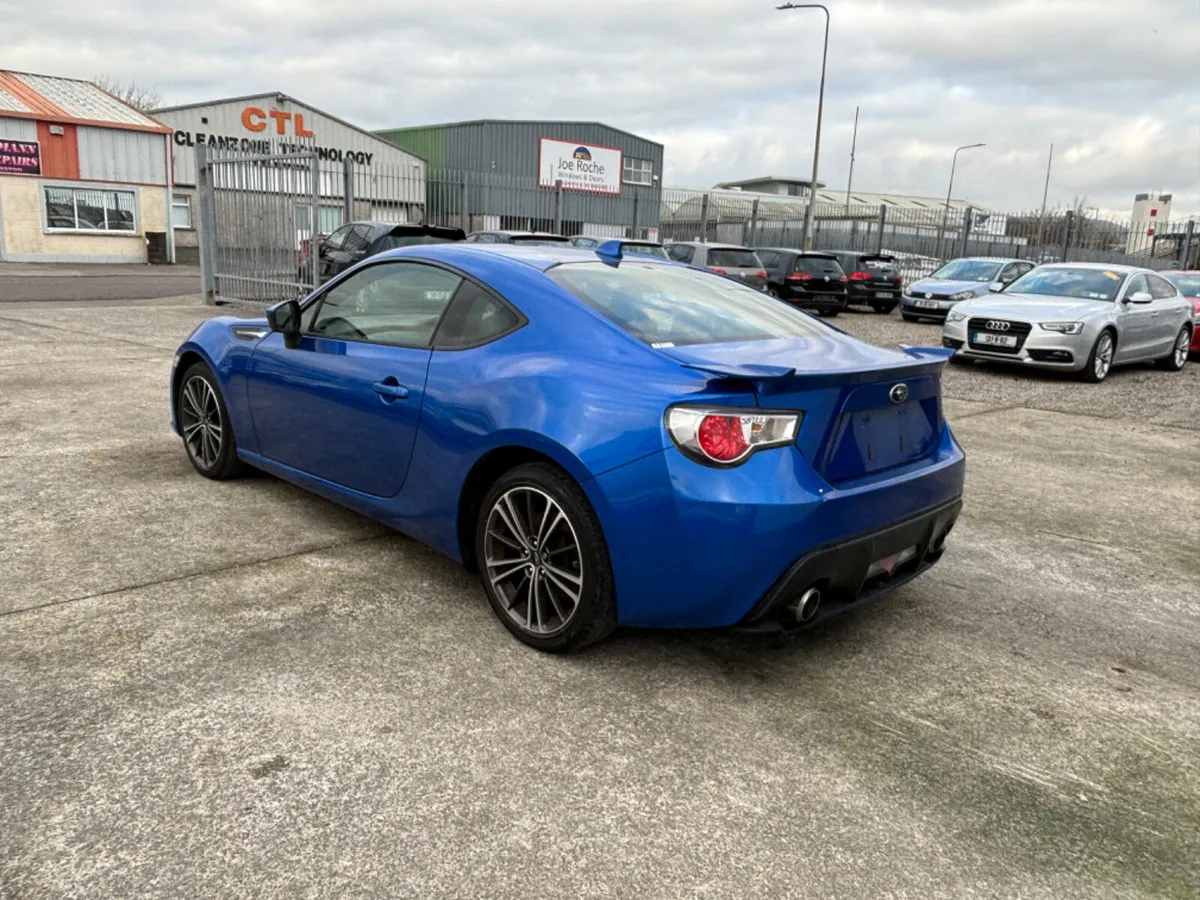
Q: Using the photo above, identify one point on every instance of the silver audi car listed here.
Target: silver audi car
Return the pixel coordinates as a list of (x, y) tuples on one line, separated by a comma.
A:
[(1077, 317)]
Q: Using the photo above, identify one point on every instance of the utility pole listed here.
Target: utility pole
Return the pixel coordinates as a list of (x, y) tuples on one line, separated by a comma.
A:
[(812, 188), (1045, 194), (950, 190), (853, 145)]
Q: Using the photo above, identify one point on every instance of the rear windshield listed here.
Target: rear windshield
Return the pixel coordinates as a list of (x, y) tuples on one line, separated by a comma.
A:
[(640, 250), (1189, 285), (392, 241), (668, 306), (1064, 281), (734, 259), (884, 263), (968, 270), (815, 265)]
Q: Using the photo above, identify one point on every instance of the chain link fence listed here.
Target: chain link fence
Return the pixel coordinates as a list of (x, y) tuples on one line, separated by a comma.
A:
[(260, 214)]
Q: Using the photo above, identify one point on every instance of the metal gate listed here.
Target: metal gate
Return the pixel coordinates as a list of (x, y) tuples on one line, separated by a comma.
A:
[(258, 215)]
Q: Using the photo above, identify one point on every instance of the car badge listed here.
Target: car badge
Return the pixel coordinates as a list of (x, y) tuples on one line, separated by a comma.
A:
[(899, 393), (929, 296), (826, 277)]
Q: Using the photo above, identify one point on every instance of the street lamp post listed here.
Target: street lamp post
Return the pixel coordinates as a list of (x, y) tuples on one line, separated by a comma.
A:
[(950, 190), (812, 188)]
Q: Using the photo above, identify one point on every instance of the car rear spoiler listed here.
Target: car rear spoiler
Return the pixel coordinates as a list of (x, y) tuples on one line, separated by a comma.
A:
[(924, 360)]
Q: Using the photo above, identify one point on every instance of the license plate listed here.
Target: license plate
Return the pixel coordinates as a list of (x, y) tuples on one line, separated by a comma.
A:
[(995, 340), (883, 295), (828, 298), (927, 304)]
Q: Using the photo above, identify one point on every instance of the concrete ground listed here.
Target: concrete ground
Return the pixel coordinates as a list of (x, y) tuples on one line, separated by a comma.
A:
[(238, 689), (59, 283)]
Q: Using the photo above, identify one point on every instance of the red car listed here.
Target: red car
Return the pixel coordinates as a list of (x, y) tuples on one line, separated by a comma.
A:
[(1189, 285)]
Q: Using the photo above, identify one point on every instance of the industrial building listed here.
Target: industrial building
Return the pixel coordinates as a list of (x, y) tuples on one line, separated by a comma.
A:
[(389, 183), (83, 177), (595, 179)]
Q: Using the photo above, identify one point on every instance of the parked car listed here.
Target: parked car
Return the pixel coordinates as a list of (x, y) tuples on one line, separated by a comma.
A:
[(537, 238), (1188, 284), (874, 279), (807, 279), (1076, 317), (724, 259), (627, 245), (957, 280), (352, 243), (607, 442)]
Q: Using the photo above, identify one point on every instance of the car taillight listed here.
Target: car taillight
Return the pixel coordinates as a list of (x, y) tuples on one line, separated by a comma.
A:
[(860, 276), (717, 271), (726, 437), (843, 278), (799, 276), (761, 273)]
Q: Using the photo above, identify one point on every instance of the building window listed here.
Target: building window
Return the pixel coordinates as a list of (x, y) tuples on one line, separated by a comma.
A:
[(638, 171), (329, 218), (90, 209), (181, 211)]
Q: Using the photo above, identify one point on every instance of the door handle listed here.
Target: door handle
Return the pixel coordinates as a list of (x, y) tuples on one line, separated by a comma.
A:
[(390, 389)]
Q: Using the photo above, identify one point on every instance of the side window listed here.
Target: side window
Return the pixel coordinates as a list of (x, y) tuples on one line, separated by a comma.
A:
[(769, 258), (337, 240), (485, 239), (357, 238), (680, 253), (474, 317), (392, 303), (1010, 272), (1136, 284), (1160, 288)]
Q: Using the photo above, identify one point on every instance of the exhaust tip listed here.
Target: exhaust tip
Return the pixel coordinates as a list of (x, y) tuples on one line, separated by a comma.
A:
[(806, 607)]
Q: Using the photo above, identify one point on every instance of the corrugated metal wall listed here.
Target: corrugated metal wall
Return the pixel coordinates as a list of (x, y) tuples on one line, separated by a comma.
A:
[(428, 143), (18, 129), (129, 157), (509, 152)]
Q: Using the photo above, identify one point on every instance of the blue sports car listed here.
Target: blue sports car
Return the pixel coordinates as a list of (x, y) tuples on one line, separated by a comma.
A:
[(607, 440)]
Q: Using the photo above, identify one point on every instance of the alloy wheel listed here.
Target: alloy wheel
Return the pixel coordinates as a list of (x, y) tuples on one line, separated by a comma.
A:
[(1181, 349), (1104, 355), (533, 560), (200, 420)]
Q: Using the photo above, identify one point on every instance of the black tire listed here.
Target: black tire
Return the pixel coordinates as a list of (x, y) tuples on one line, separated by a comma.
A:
[(1091, 374), (1177, 358), (828, 313), (224, 462), (909, 317), (883, 309), (594, 614), (959, 360)]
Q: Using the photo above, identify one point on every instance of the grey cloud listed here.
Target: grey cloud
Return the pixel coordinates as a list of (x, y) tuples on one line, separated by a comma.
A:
[(729, 87)]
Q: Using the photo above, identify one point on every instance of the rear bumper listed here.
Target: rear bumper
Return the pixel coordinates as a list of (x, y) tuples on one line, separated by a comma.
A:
[(866, 295), (848, 573), (814, 299), (697, 547)]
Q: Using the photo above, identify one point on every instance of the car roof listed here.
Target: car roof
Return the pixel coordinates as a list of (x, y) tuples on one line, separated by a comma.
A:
[(520, 233), (538, 257), (1107, 267), (996, 259), (820, 254), (1180, 272)]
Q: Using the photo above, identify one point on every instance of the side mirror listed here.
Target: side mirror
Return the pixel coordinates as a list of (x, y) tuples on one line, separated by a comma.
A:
[(285, 318), (1140, 297), (997, 286)]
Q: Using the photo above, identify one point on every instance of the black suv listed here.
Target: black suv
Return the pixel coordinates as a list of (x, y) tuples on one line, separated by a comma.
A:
[(353, 243), (813, 280), (874, 280)]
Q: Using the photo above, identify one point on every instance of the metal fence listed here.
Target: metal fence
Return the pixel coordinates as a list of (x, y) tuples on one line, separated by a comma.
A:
[(923, 238), (259, 214)]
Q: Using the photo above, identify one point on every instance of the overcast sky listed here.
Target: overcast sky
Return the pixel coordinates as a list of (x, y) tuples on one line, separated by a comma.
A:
[(730, 88)]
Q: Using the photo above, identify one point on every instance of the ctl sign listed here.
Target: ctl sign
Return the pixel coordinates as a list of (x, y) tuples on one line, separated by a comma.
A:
[(255, 119)]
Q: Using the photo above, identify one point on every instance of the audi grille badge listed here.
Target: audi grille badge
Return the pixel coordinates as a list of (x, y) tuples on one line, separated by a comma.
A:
[(993, 325)]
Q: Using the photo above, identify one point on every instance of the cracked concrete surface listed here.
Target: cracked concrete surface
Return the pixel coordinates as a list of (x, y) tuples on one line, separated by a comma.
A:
[(241, 690)]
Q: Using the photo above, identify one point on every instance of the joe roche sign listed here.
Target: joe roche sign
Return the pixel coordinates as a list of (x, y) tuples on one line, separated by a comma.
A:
[(271, 124)]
